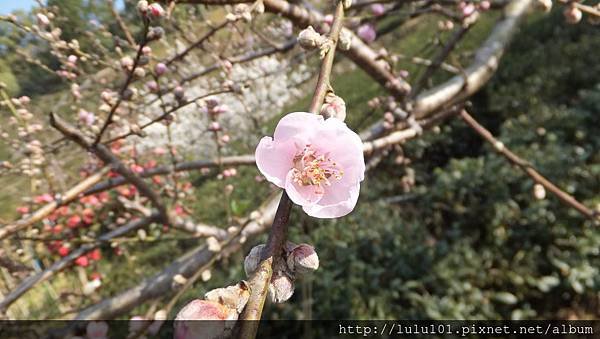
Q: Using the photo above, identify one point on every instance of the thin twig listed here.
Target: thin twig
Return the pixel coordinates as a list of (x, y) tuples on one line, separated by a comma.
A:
[(528, 168)]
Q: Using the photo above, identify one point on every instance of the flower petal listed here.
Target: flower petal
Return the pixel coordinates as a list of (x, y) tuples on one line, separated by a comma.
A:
[(298, 125), (274, 159), (301, 195), (337, 202), (344, 147)]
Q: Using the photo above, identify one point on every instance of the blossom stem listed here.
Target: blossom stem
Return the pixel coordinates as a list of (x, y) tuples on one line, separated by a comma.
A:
[(259, 281), (323, 84)]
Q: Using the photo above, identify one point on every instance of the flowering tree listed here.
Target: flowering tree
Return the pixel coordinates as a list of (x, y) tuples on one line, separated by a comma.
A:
[(172, 89)]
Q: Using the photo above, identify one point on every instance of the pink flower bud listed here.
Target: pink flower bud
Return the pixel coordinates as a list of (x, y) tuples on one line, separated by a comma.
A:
[(179, 93), (146, 50), (72, 58), (303, 259), (467, 9), (333, 107), (156, 10), (281, 288), (126, 62), (377, 9), (389, 117), (572, 14), (152, 86), (24, 100), (214, 126), (160, 69), (484, 5), (367, 33), (86, 117), (42, 20), (225, 138), (328, 19), (82, 261), (204, 310)]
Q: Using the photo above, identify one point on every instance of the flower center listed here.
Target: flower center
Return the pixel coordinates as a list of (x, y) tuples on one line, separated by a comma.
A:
[(312, 168)]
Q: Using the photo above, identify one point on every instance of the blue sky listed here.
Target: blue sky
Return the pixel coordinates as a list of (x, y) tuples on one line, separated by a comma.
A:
[(7, 6)]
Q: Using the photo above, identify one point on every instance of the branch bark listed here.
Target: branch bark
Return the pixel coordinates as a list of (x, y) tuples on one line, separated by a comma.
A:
[(526, 167)]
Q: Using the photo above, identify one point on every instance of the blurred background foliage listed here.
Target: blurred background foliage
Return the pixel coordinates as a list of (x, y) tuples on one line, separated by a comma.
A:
[(455, 233)]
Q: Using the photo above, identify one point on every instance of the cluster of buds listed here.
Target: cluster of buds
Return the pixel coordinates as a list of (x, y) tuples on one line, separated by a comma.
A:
[(219, 304), (297, 260), (309, 39), (333, 107)]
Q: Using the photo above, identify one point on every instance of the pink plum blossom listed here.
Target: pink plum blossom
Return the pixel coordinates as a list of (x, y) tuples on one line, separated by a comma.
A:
[(367, 33), (318, 162), (377, 9)]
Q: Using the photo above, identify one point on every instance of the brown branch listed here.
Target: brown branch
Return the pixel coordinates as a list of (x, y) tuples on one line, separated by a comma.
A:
[(125, 86), (157, 285), (259, 280), (239, 160), (486, 60), (121, 23), (109, 158), (528, 169), (50, 207), (197, 43), (59, 265)]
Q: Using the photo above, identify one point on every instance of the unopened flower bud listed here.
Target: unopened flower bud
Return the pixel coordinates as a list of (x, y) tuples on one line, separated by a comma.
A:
[(179, 93), (572, 14), (234, 297), (544, 5), (303, 259), (333, 107), (160, 69), (142, 7), (345, 40), (281, 288), (139, 72), (156, 11), (204, 310), (377, 9), (126, 62), (146, 50), (539, 192), (214, 126), (252, 260), (347, 3), (42, 20), (156, 33), (309, 38), (367, 33)]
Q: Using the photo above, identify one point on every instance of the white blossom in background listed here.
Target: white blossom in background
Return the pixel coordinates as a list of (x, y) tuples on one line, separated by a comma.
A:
[(274, 85)]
